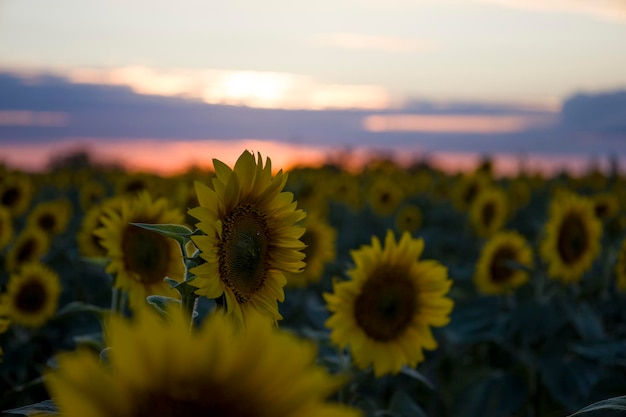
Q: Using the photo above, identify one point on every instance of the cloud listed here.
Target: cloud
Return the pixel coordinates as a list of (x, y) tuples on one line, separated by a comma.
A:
[(260, 89), (358, 41), (614, 10)]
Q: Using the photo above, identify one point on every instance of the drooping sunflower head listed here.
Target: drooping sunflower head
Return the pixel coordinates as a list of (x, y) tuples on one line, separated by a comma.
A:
[(16, 192), (51, 217), (409, 218), (6, 227), (488, 211), (251, 238), (386, 310), (385, 195), (32, 295), (29, 246), (320, 240), (572, 237), (158, 368), (140, 259), (499, 269)]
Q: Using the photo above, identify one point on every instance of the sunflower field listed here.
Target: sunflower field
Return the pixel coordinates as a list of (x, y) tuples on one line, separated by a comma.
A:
[(247, 290)]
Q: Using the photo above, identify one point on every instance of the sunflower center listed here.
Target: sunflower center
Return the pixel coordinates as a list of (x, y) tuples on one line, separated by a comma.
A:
[(385, 197), (499, 271), (26, 251), (215, 402), (488, 213), (387, 303), (47, 222), (146, 253), (31, 297), (573, 239), (10, 196), (243, 251)]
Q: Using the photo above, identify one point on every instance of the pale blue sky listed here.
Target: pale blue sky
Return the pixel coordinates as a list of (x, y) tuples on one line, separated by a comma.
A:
[(436, 50)]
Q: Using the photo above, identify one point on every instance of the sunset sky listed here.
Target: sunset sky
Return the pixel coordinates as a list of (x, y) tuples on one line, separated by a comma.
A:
[(370, 55)]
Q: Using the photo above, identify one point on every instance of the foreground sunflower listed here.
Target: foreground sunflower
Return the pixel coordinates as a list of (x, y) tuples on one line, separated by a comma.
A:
[(32, 295), (250, 237), (158, 368), (494, 273), (386, 311), (141, 259), (572, 237)]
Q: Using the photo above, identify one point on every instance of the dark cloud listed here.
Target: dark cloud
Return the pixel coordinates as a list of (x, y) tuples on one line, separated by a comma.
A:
[(588, 123)]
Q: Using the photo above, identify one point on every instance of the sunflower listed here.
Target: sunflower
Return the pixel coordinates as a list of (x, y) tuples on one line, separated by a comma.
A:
[(91, 193), (6, 227), (386, 310), (320, 240), (488, 211), (51, 217), (572, 237), (16, 192), (409, 218), (467, 188), (29, 246), (494, 273), (384, 196), (620, 268), (141, 259), (250, 238), (32, 295), (158, 368), (605, 205)]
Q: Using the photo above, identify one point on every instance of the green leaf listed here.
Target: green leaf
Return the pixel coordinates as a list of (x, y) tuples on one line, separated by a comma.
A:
[(80, 307), (45, 407), (611, 404), (417, 376), (402, 405), (499, 395), (161, 303), (608, 352), (95, 340), (175, 231)]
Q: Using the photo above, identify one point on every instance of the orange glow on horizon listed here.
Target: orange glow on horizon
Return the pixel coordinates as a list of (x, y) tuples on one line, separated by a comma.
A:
[(453, 123), (175, 157)]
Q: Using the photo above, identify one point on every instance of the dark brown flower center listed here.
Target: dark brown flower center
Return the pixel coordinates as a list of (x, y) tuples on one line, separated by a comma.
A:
[(146, 253), (11, 196), (572, 239), (243, 251), (387, 303), (191, 401), (499, 270), (47, 222), (488, 213), (31, 297)]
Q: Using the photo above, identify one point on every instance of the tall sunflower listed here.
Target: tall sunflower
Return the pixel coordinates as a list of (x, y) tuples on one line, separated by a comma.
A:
[(572, 237), (158, 368), (386, 310), (488, 211), (141, 259), (494, 273), (32, 295), (29, 246), (320, 240), (250, 237)]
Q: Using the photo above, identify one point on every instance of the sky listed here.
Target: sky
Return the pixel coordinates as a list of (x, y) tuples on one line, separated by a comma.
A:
[(408, 65)]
